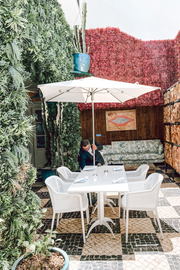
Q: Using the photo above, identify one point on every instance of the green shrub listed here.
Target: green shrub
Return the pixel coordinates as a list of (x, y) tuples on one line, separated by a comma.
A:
[(36, 43)]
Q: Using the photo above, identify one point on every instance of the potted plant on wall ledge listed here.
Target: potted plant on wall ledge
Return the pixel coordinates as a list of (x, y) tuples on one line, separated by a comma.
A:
[(81, 58)]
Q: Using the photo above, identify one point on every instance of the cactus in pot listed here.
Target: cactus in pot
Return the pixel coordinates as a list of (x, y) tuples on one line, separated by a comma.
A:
[(81, 57)]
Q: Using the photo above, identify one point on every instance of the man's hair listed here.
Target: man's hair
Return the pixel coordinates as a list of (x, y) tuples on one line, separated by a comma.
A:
[(84, 143)]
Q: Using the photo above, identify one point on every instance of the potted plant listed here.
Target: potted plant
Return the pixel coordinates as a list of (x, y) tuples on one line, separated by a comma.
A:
[(41, 254), (81, 58)]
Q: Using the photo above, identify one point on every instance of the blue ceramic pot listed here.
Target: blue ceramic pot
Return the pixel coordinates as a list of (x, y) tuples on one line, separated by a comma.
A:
[(45, 173), (62, 252), (81, 62)]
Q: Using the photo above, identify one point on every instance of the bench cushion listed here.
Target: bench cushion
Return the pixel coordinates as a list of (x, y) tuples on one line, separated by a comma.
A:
[(143, 146)]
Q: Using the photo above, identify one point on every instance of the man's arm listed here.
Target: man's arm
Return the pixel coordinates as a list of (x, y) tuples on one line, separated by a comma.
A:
[(82, 161), (99, 146)]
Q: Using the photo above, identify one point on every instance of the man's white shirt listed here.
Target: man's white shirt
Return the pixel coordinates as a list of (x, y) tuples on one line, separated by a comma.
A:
[(90, 151)]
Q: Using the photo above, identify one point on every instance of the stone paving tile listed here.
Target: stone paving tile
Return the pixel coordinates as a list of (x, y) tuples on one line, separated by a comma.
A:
[(72, 243), (147, 262), (169, 186), (44, 202), (160, 194), (173, 223), (35, 189), (137, 214), (168, 180), (163, 202), (48, 204), (71, 225), (177, 209), (102, 244), (138, 225), (74, 262), (166, 225), (43, 189), (101, 264), (170, 243), (174, 261), (43, 195), (174, 201), (167, 211), (143, 243)]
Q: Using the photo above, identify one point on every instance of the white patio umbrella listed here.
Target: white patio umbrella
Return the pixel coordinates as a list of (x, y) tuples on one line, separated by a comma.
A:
[(93, 90)]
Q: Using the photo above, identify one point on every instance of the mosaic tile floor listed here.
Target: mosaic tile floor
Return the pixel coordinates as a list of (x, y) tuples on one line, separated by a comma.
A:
[(145, 249)]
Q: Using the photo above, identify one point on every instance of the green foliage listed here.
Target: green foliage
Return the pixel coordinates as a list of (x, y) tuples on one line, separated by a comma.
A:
[(42, 244), (71, 136), (20, 213), (37, 44), (48, 56)]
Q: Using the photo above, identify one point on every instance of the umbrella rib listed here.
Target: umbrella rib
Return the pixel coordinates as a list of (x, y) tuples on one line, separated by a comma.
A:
[(65, 92), (60, 94), (100, 90)]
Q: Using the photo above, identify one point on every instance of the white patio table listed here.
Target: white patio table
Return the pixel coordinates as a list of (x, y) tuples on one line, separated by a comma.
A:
[(101, 185)]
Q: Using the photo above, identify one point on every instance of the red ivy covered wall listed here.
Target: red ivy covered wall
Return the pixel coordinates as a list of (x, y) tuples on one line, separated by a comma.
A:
[(118, 56)]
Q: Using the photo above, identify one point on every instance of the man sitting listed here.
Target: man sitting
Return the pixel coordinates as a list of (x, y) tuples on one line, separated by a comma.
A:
[(86, 153)]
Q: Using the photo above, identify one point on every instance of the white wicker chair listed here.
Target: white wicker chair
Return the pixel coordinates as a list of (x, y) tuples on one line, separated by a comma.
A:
[(63, 202), (142, 196)]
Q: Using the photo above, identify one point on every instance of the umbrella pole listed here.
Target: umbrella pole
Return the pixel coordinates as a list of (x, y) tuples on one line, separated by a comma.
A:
[(92, 100)]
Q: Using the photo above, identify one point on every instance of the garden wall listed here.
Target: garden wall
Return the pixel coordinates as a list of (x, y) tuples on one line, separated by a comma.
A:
[(118, 56)]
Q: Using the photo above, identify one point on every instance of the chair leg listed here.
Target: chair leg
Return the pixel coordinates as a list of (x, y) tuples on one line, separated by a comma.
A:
[(95, 208), (83, 229), (124, 214), (57, 222), (154, 218), (53, 217), (127, 219), (119, 203), (87, 215), (157, 216), (90, 199)]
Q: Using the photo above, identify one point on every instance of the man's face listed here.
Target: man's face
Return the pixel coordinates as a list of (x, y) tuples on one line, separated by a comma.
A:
[(86, 148)]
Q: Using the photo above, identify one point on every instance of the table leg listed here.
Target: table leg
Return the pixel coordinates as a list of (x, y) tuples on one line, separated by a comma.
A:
[(106, 202), (101, 220)]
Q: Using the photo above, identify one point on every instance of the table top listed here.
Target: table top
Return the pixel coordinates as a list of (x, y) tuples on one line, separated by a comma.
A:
[(103, 182)]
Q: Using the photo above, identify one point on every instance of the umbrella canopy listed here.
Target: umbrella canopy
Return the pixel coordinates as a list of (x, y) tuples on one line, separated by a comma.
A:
[(102, 90), (91, 90)]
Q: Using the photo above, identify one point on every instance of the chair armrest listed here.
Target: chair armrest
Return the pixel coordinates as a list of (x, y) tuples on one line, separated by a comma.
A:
[(130, 174), (133, 179), (136, 186)]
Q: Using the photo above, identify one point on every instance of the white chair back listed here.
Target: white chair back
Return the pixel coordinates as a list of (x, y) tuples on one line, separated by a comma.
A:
[(62, 202), (64, 172), (142, 171), (147, 198), (139, 174)]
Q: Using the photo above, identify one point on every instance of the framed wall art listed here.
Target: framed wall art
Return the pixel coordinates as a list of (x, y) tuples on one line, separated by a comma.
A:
[(120, 120)]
